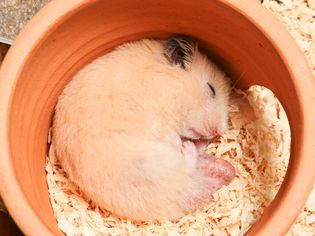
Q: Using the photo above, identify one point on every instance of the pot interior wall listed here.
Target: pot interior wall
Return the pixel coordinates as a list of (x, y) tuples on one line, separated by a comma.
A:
[(245, 53)]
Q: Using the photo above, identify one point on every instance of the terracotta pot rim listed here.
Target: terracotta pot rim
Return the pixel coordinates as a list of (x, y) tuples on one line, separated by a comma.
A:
[(36, 30), (286, 46)]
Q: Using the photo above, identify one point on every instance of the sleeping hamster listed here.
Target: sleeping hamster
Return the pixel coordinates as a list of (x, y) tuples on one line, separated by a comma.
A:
[(126, 127)]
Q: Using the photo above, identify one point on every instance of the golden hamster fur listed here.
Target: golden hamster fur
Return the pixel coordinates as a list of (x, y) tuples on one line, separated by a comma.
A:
[(125, 125)]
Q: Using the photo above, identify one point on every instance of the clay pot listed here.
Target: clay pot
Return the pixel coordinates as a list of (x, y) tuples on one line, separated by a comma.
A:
[(250, 44)]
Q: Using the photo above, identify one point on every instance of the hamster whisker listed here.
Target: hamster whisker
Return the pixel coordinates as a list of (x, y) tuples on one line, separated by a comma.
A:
[(235, 82)]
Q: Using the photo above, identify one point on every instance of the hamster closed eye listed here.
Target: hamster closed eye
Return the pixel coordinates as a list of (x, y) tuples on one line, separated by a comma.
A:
[(127, 129)]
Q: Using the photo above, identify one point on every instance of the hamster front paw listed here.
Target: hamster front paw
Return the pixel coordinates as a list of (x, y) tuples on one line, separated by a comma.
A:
[(189, 149), (190, 152)]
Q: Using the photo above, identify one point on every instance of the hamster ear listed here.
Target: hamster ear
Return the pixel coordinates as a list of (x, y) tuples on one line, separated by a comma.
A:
[(179, 50)]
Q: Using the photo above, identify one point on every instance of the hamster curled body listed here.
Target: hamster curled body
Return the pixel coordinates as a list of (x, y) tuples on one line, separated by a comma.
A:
[(124, 129)]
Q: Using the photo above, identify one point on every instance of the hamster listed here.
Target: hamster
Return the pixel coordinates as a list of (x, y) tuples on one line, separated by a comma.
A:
[(126, 129)]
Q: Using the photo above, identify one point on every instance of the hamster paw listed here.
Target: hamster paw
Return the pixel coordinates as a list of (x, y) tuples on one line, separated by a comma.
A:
[(215, 167), (211, 174), (190, 152)]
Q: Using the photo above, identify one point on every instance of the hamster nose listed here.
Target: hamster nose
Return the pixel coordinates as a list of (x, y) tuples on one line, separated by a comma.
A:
[(216, 132)]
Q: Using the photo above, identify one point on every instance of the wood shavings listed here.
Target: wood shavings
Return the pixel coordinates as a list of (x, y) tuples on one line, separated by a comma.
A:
[(311, 4), (305, 223), (240, 110), (258, 149), (298, 16)]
